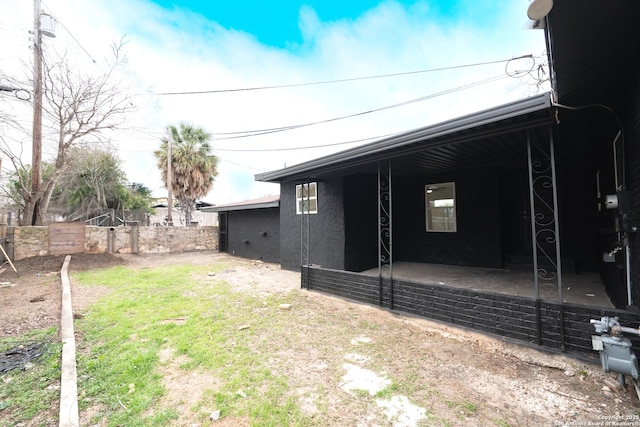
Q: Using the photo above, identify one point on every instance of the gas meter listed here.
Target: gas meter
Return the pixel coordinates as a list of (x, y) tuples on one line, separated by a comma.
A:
[(615, 349)]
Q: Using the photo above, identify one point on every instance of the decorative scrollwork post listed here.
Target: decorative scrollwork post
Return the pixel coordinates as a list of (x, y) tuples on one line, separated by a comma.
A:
[(545, 232), (385, 229)]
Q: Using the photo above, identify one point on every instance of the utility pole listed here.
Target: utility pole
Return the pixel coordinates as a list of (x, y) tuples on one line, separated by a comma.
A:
[(169, 178), (36, 155)]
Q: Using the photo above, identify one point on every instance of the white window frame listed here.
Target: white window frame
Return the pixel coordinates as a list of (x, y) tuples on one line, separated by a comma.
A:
[(302, 198), (444, 211)]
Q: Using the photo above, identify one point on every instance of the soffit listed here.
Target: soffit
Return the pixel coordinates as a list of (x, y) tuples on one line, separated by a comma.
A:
[(491, 137)]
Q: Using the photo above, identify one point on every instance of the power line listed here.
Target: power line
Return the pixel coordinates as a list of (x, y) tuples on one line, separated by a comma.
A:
[(305, 147), (258, 132), (238, 164), (246, 134), (72, 36), (362, 113), (380, 76)]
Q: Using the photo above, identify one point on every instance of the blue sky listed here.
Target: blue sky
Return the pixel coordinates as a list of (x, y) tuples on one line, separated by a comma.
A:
[(276, 23), (184, 46)]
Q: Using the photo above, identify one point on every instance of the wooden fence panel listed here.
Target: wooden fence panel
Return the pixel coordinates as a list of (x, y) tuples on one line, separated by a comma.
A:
[(66, 238)]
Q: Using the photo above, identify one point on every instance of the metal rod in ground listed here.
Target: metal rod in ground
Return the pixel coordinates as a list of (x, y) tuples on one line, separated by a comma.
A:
[(10, 263)]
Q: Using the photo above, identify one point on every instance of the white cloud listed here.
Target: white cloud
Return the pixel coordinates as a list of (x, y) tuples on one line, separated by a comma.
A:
[(181, 51)]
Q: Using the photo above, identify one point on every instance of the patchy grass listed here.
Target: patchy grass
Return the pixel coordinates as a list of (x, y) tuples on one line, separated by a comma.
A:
[(257, 364), (237, 338), (388, 391), (464, 408), (207, 326), (32, 395), (500, 422)]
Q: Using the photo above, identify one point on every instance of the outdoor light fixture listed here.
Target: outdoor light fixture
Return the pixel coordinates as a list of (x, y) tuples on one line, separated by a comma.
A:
[(538, 9), (431, 188)]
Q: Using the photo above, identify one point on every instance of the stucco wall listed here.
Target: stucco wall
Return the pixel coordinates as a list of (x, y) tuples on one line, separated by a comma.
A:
[(476, 242), (327, 236), (361, 222), (343, 234), (25, 242), (255, 234)]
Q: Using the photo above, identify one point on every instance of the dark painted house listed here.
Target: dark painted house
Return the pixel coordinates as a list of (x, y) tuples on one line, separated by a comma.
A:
[(480, 154), (549, 184), (594, 49), (250, 229)]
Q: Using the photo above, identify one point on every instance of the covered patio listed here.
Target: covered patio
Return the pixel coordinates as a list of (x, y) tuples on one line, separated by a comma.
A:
[(519, 201), (518, 198), (471, 298), (583, 289)]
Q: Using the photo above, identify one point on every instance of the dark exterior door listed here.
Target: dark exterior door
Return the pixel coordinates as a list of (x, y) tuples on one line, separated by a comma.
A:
[(516, 217), (223, 239)]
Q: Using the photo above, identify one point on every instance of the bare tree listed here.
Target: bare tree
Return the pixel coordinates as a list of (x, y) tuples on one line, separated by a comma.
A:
[(12, 131), (76, 107)]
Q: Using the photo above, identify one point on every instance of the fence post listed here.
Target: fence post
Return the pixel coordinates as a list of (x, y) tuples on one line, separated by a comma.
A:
[(110, 239), (135, 232)]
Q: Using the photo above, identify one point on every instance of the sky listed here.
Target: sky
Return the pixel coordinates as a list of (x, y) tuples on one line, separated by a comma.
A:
[(336, 74)]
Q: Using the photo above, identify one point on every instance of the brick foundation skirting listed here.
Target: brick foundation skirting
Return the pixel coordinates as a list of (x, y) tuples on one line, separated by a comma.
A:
[(547, 324)]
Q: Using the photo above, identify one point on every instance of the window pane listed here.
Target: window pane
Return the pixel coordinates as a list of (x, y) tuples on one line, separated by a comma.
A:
[(440, 207), (306, 196)]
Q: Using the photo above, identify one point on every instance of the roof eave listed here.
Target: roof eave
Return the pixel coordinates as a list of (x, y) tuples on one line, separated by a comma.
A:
[(273, 204), (503, 112)]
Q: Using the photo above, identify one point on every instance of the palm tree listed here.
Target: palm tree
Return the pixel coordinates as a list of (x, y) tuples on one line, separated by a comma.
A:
[(193, 167)]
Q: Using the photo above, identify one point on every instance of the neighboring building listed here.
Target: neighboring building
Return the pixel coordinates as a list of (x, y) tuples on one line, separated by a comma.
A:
[(202, 215), (250, 229), (549, 184)]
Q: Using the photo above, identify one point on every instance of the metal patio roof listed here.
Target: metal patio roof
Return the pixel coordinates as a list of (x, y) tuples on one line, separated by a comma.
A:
[(263, 202), (481, 138)]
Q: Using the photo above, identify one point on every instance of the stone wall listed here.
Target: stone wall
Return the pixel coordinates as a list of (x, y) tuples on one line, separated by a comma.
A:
[(25, 242)]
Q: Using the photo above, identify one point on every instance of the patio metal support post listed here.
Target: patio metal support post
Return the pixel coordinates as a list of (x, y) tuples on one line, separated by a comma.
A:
[(533, 242), (545, 226), (309, 230), (390, 238), (557, 231), (385, 250), (302, 281), (379, 237), (304, 234)]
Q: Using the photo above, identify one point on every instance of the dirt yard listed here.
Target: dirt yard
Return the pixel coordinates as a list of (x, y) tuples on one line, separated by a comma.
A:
[(507, 383)]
